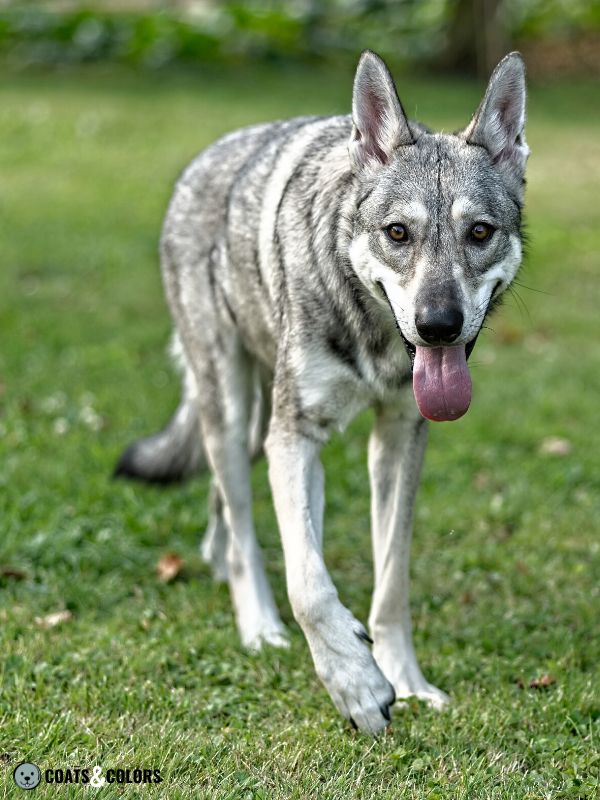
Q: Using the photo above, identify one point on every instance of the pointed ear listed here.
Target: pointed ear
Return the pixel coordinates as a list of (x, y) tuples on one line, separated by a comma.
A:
[(499, 124), (379, 122)]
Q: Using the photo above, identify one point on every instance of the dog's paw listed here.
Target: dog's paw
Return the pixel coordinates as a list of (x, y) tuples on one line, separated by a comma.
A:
[(359, 689), (402, 669), (425, 691), (363, 695), (270, 634)]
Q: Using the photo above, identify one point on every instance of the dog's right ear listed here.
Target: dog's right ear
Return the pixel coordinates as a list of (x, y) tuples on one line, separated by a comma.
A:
[(379, 122)]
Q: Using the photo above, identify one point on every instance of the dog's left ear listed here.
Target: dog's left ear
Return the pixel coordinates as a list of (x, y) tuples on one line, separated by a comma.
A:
[(499, 123), (379, 123)]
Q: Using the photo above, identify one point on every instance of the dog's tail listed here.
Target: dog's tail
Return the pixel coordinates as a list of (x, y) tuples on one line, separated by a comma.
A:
[(175, 453)]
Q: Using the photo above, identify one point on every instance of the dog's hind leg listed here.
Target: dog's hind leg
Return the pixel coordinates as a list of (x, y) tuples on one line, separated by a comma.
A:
[(396, 450), (214, 543), (225, 413)]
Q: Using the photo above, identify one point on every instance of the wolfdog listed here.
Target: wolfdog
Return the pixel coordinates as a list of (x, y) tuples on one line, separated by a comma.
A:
[(315, 267)]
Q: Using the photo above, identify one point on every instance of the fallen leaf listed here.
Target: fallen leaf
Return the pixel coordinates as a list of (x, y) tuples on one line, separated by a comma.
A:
[(168, 567), (52, 620), (542, 683), (555, 446), (12, 572)]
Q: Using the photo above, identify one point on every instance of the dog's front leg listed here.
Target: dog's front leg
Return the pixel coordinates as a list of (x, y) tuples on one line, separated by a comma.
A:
[(336, 639), (396, 450)]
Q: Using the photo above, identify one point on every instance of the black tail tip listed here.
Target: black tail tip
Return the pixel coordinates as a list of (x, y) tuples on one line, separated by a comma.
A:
[(133, 465), (125, 467)]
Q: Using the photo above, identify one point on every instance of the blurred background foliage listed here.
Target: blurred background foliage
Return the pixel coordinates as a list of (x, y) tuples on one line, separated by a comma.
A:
[(460, 36)]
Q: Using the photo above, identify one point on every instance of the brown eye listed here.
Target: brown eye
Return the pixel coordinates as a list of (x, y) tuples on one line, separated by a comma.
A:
[(397, 232), (481, 232)]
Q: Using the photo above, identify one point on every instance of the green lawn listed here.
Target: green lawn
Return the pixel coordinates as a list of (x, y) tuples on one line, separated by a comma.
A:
[(506, 561)]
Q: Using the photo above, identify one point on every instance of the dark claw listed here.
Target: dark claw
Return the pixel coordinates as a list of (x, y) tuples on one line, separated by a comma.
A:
[(386, 712), (354, 725), (362, 634)]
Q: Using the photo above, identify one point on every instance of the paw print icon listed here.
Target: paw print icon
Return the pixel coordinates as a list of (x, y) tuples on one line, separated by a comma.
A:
[(27, 776)]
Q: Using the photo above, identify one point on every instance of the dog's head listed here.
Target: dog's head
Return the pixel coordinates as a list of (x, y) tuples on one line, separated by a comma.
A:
[(437, 230)]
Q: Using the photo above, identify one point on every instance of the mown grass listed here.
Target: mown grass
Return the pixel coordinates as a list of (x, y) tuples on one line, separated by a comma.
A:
[(506, 554)]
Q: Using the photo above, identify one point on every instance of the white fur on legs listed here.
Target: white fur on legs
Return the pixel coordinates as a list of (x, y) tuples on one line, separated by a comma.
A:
[(396, 449), (336, 639), (257, 617), (225, 437)]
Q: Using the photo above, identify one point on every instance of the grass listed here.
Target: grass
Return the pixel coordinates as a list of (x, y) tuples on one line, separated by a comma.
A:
[(506, 557)]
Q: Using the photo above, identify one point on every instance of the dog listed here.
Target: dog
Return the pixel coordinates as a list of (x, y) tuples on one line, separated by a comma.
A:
[(315, 267)]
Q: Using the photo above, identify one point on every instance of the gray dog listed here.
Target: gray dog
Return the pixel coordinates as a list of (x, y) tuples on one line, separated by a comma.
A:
[(315, 267)]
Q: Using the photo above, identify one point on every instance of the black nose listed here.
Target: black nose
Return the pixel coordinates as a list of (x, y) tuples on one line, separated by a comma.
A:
[(439, 324)]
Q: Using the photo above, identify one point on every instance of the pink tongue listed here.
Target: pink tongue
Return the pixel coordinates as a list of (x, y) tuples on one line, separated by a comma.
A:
[(441, 382)]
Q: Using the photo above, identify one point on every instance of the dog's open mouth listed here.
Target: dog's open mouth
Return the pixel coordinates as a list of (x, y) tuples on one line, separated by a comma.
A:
[(441, 378), (412, 350)]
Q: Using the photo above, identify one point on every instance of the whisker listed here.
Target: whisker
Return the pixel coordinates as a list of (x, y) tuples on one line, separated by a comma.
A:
[(532, 289), (521, 305), (475, 364)]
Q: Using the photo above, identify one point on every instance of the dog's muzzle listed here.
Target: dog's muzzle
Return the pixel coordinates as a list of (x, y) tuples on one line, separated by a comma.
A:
[(441, 378)]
